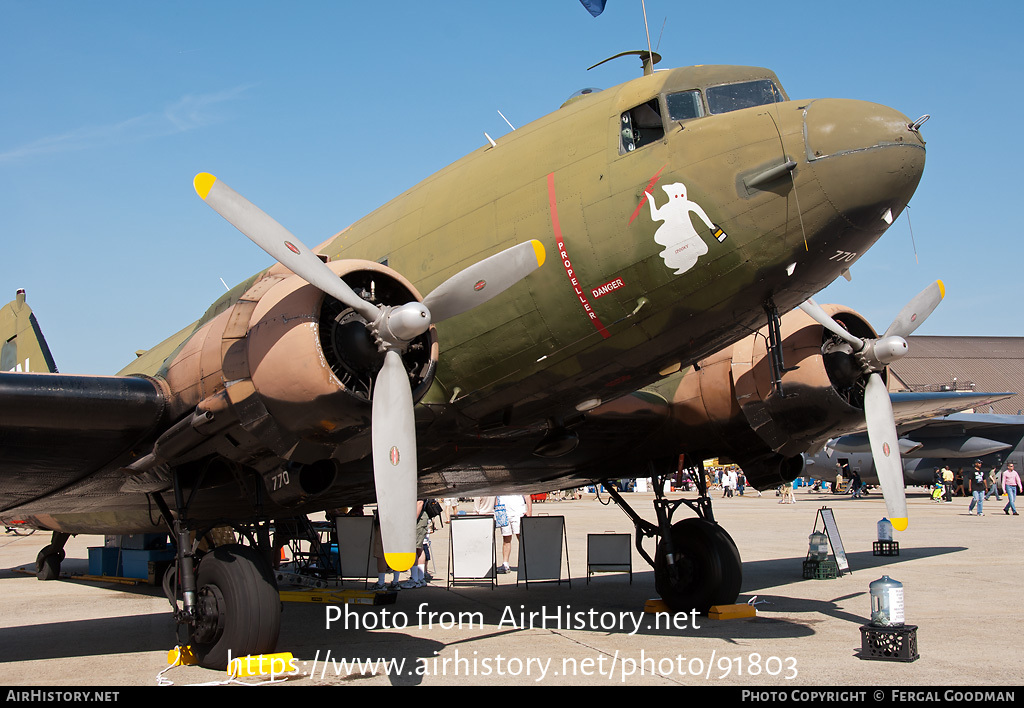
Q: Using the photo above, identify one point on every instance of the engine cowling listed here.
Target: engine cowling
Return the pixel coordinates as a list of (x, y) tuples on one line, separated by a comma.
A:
[(291, 372), (313, 361), (728, 407)]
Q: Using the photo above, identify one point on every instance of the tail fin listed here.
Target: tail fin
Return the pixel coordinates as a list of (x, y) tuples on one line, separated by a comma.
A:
[(22, 345)]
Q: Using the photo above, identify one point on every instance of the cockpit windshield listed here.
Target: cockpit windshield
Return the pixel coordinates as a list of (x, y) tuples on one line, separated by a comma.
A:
[(733, 97), (684, 105)]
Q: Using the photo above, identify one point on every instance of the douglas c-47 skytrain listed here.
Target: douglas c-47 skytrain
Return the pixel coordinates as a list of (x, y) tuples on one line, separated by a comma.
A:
[(460, 340)]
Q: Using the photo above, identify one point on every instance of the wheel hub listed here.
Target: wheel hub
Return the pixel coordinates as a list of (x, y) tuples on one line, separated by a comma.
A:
[(209, 615)]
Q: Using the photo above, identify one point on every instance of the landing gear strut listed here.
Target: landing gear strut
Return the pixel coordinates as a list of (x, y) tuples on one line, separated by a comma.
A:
[(696, 563), (48, 560), (229, 603)]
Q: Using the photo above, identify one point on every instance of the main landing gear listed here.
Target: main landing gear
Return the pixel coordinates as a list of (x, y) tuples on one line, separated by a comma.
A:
[(237, 610), (696, 563), (225, 599), (48, 560)]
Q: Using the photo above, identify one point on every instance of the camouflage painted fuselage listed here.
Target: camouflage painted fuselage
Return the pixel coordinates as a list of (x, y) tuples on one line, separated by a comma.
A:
[(767, 203)]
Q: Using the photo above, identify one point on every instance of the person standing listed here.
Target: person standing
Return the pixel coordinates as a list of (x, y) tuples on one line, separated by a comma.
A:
[(947, 483), (483, 505), (516, 507), (382, 565), (993, 483), (418, 572), (962, 483), (976, 482), (856, 486), (1011, 487)]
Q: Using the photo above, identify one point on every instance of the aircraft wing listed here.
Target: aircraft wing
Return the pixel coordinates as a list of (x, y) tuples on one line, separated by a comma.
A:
[(959, 435), (56, 429), (909, 408), (913, 410)]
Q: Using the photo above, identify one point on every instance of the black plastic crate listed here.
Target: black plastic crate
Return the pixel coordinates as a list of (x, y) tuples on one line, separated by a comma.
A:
[(885, 548), (889, 643), (820, 570)]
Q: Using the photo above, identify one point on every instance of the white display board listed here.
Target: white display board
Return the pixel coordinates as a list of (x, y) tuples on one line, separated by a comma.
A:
[(542, 545), (355, 544), (471, 550), (828, 519)]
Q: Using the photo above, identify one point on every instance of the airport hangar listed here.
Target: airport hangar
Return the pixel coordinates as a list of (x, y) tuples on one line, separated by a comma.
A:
[(963, 364)]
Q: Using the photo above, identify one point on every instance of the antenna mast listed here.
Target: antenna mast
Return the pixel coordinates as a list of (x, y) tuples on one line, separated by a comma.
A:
[(648, 58), (650, 52)]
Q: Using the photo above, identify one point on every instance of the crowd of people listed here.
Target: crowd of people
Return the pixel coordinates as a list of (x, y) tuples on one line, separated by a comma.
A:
[(980, 484)]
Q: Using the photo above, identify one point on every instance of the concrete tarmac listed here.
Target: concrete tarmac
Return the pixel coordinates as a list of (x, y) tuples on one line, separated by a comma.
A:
[(961, 574)]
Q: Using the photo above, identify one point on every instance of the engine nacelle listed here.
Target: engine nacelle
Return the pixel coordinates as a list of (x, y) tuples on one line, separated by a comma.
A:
[(313, 361), (769, 471), (297, 370), (728, 407)]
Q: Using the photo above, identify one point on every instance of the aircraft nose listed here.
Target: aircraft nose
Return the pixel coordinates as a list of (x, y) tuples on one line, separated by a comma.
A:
[(866, 156)]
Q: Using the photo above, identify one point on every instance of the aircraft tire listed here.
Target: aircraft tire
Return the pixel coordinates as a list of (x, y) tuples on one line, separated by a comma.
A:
[(708, 563), (239, 606), (48, 562), (732, 568)]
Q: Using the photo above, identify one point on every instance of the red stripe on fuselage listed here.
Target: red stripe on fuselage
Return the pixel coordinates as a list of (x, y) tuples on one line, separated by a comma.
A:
[(567, 263), (650, 186)]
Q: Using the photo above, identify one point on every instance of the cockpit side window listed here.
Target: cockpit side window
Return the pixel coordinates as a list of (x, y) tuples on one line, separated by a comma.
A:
[(641, 126), (684, 105), (733, 97)]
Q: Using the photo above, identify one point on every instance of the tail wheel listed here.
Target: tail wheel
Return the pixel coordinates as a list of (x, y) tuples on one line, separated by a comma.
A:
[(707, 563), (239, 609)]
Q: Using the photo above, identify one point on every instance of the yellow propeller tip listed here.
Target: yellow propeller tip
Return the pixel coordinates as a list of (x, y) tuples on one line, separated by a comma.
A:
[(942, 289), (538, 251), (400, 561), (900, 524), (203, 183)]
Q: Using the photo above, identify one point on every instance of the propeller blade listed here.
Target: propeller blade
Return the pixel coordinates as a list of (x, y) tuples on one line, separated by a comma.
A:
[(885, 450), (917, 310), (393, 436), (483, 280), (814, 311), (277, 241)]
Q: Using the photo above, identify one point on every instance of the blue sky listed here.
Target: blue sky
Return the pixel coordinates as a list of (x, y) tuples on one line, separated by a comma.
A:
[(322, 111)]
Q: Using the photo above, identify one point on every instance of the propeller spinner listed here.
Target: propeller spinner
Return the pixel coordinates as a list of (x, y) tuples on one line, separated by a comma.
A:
[(393, 426), (873, 355)]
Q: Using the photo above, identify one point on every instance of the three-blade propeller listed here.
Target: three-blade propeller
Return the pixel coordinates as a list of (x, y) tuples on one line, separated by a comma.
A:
[(393, 431), (873, 355)]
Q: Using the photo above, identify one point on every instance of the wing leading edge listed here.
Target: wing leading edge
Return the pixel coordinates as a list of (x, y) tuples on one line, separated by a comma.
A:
[(56, 429)]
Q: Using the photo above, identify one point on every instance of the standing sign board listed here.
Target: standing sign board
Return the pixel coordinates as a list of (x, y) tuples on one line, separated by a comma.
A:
[(609, 553), (828, 519), (542, 543), (471, 549), (355, 544)]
